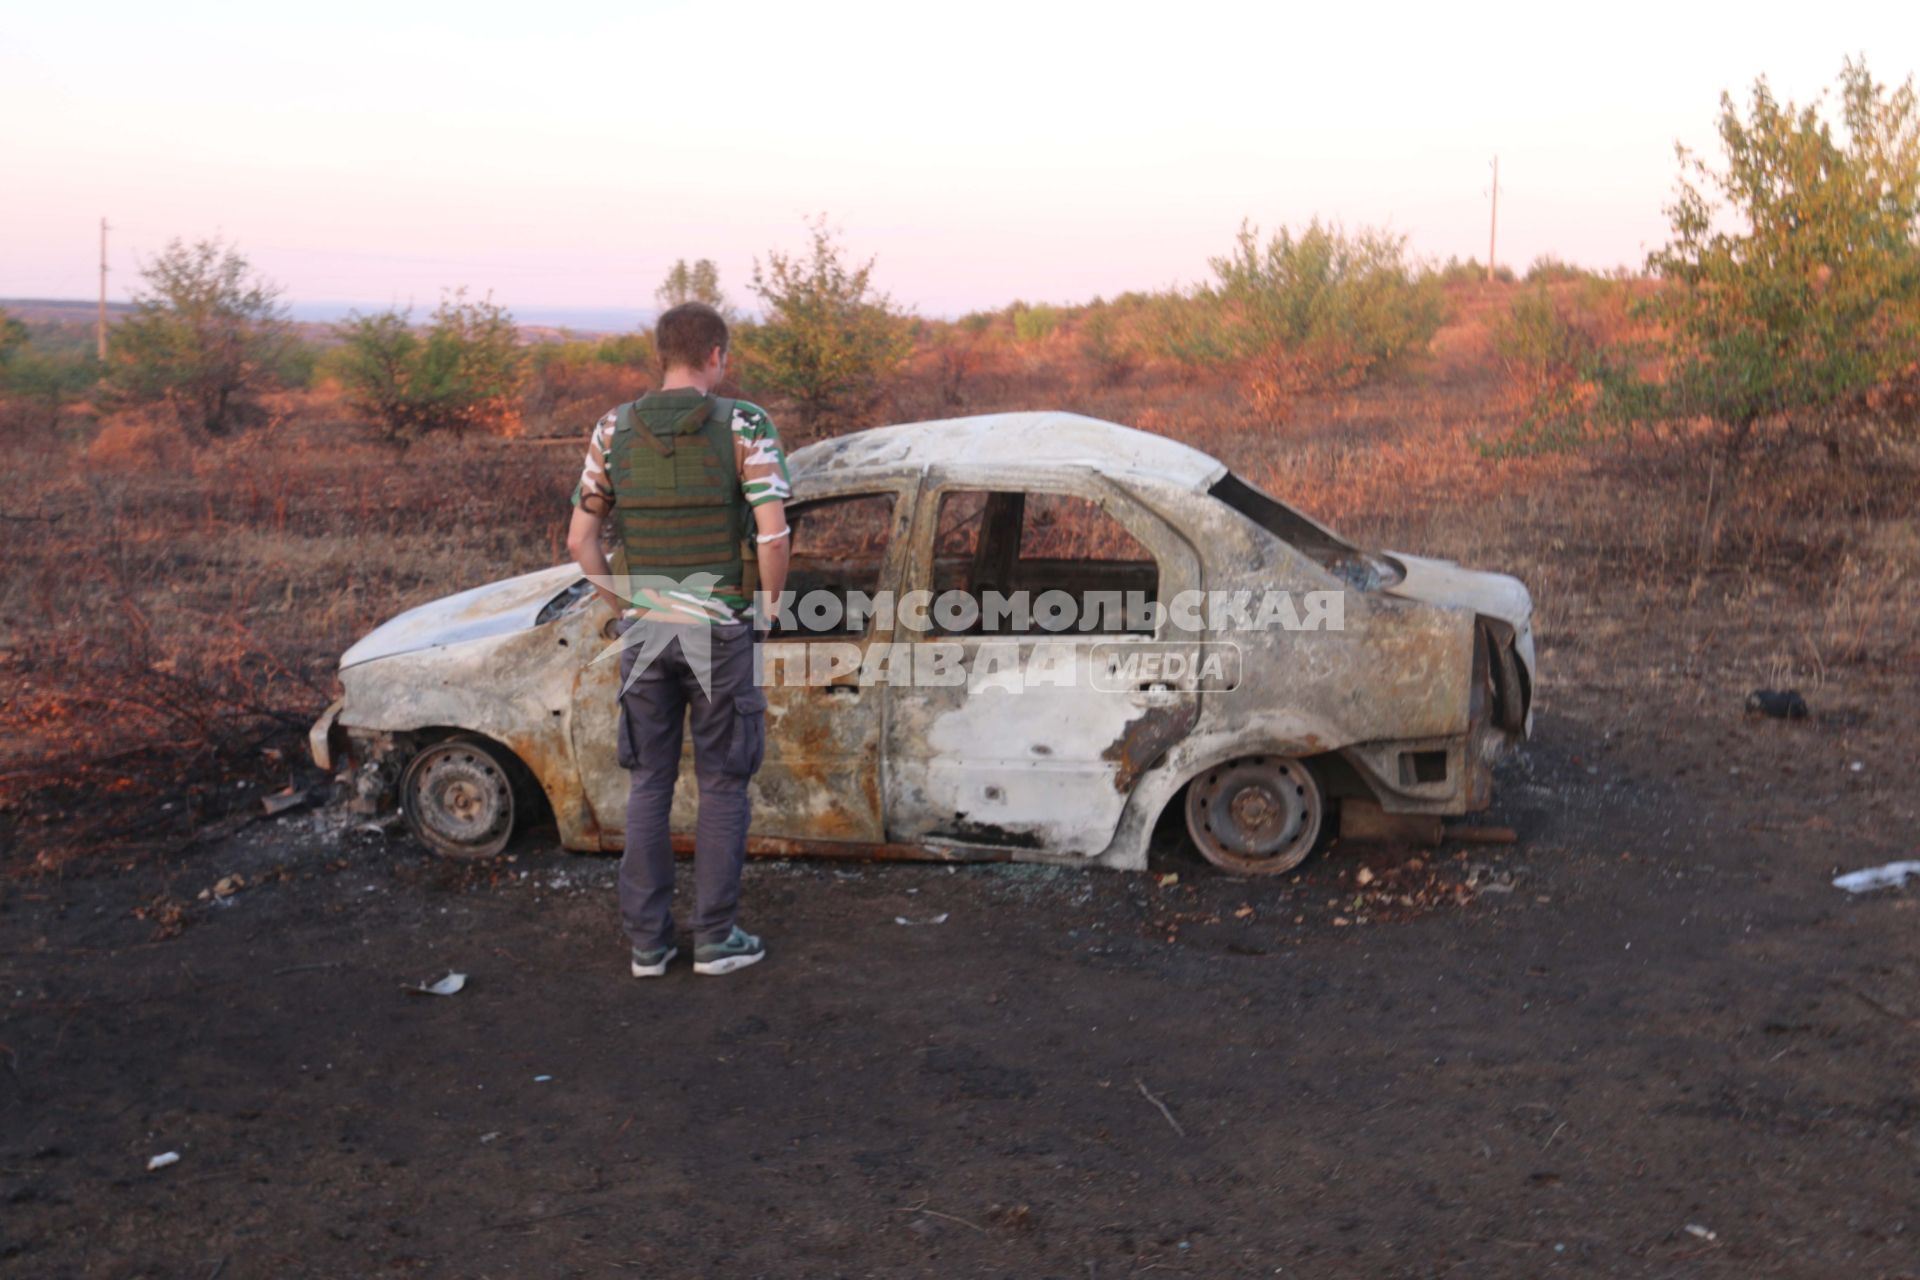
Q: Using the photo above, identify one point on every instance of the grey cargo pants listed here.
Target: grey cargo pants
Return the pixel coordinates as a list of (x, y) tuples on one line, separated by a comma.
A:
[(729, 739)]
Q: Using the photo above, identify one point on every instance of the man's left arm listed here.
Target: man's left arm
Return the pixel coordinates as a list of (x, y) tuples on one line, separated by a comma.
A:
[(766, 486), (773, 548)]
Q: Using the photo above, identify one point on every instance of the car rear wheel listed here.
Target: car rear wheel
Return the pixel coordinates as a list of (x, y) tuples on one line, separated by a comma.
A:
[(1259, 815), (458, 798)]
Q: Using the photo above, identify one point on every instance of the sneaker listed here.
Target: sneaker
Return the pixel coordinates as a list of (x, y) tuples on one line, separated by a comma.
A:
[(737, 952), (651, 964)]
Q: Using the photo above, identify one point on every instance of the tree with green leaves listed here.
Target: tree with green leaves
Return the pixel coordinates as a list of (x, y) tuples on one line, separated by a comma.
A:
[(206, 336), (1791, 285), (830, 339), (697, 283), (465, 371), (1789, 292)]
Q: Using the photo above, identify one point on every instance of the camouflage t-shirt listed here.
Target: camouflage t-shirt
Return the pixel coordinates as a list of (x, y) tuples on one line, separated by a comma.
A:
[(762, 467)]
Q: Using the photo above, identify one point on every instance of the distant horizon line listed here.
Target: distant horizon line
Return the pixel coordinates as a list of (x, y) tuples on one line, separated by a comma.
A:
[(323, 312), (591, 319)]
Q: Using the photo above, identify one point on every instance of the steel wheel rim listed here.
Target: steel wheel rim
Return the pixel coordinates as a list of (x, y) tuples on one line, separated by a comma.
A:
[(458, 799), (1259, 815)]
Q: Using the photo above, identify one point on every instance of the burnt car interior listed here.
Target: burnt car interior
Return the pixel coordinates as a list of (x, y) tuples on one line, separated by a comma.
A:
[(839, 546), (1010, 541)]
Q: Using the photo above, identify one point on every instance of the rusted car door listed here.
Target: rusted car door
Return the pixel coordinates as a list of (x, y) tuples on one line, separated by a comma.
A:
[(1043, 759), (822, 771)]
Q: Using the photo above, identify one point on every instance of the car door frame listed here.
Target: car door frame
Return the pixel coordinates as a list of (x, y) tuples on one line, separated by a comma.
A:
[(821, 777), (826, 737), (994, 800)]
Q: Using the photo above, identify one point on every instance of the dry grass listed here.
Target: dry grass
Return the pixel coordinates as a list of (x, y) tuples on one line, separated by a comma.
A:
[(174, 608)]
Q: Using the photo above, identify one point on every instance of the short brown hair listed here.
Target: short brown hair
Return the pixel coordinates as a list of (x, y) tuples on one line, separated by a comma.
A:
[(687, 334)]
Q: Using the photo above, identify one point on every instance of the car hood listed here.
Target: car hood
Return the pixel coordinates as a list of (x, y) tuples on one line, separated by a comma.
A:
[(1494, 595), (497, 609)]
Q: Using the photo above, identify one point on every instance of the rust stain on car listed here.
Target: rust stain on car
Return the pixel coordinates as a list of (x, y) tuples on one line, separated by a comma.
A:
[(1146, 740)]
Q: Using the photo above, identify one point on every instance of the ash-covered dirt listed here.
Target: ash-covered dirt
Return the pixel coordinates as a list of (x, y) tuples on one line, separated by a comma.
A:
[(1648, 1039)]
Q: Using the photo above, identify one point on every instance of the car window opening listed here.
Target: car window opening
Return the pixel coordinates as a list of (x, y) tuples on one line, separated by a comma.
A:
[(839, 546), (1312, 539), (1011, 542)]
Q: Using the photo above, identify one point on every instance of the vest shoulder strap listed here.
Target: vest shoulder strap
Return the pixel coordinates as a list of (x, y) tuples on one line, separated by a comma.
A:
[(626, 425), (719, 428)]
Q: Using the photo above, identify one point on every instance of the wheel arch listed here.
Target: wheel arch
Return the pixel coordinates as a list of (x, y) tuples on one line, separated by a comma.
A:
[(1165, 785), (437, 748), (528, 781), (386, 755)]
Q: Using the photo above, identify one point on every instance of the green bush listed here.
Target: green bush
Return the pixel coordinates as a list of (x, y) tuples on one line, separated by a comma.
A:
[(1119, 336), (627, 350), (1033, 323), (205, 338), (1191, 329), (465, 371), (1538, 342), (1343, 304), (829, 340), (40, 383)]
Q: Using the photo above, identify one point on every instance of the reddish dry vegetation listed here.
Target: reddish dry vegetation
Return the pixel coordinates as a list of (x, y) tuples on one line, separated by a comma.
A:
[(174, 606), (1648, 1039)]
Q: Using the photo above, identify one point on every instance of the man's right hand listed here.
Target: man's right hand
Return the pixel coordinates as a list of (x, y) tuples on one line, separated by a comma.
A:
[(583, 544)]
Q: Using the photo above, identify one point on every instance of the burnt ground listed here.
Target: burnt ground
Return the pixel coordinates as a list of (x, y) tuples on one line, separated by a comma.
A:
[(1649, 1039)]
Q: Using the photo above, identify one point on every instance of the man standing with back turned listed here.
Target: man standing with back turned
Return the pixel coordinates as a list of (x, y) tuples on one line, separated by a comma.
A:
[(696, 487)]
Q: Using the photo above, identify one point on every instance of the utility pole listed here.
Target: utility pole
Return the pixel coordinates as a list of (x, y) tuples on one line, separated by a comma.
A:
[(1493, 223), (100, 327)]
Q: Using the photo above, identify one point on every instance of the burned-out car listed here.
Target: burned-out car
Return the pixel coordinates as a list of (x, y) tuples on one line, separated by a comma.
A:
[(1016, 636)]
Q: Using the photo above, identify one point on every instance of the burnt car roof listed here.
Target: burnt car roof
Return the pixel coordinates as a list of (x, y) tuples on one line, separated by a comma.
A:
[(1037, 440)]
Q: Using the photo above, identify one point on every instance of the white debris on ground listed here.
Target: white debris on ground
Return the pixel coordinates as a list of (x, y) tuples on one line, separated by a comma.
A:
[(449, 985), (162, 1160), (1890, 876)]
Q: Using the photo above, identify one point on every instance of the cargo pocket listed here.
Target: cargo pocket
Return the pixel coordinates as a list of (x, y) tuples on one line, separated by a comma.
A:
[(748, 745), (626, 750)]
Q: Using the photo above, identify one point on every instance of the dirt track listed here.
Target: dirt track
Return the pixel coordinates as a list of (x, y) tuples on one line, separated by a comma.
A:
[(1653, 1014)]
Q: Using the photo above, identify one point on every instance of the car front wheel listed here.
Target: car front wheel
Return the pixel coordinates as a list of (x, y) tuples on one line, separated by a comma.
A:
[(1258, 815), (458, 798)]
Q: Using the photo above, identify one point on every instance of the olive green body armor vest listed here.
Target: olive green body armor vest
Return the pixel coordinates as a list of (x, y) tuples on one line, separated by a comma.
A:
[(678, 509)]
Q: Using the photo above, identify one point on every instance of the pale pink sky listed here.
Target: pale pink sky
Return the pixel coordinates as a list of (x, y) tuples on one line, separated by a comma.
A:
[(566, 155)]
